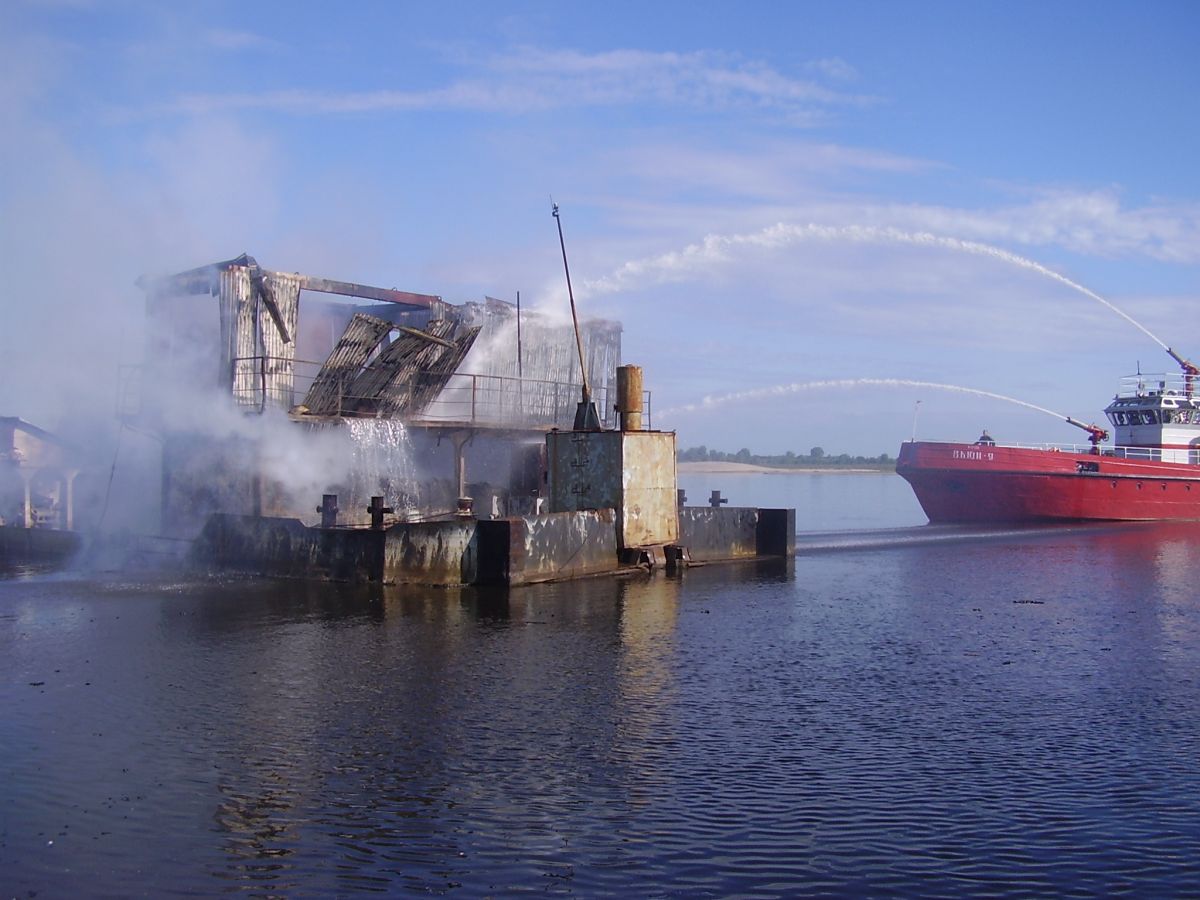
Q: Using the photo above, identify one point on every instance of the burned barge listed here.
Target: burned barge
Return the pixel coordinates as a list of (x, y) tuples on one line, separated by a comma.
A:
[(436, 443)]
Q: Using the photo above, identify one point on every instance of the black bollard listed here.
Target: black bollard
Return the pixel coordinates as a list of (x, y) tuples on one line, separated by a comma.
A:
[(328, 510), (716, 500), (377, 510)]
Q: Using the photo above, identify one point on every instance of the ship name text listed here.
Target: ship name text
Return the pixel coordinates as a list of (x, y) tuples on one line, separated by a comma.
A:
[(980, 455)]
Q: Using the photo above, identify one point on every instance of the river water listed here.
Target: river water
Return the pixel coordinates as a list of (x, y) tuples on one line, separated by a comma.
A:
[(1013, 713)]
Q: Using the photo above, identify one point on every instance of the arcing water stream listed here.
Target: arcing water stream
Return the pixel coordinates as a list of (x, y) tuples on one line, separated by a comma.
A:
[(678, 265), (714, 401)]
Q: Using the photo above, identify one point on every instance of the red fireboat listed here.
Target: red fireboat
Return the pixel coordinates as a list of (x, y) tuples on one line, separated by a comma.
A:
[(1150, 472)]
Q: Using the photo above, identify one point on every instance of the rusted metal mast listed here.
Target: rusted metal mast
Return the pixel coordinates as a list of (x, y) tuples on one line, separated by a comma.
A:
[(586, 417), (520, 364)]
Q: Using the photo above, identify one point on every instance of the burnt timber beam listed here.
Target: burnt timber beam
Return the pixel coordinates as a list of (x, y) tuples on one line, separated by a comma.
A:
[(206, 279), (426, 336), (264, 291), (366, 292)]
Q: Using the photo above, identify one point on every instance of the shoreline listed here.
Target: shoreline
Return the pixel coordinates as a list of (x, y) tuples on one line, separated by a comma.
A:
[(737, 468)]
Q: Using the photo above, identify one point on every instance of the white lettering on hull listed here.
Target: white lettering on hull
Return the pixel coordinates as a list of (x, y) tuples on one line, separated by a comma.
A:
[(978, 455)]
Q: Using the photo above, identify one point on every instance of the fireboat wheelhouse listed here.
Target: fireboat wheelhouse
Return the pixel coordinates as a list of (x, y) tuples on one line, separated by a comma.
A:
[(1151, 471), (1156, 417)]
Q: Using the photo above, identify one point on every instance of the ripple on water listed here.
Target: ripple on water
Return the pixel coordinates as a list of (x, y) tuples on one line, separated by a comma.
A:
[(858, 724)]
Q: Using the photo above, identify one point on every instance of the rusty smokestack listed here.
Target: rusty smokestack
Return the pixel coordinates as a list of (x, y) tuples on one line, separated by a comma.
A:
[(629, 397)]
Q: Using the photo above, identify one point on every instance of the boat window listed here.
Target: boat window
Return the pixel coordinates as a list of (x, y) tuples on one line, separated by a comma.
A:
[(1149, 417)]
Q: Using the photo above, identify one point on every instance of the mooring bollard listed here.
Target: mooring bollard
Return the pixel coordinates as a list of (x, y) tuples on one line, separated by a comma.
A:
[(465, 508), (680, 497), (377, 511), (328, 510), (716, 500)]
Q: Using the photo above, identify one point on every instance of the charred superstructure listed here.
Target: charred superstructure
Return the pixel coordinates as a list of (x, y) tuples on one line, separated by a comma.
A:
[(233, 346), (274, 340)]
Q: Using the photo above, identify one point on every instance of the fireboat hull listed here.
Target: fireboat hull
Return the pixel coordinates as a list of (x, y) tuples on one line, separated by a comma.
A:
[(971, 483)]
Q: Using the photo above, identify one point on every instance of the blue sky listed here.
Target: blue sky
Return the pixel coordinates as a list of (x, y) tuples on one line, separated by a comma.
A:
[(765, 194)]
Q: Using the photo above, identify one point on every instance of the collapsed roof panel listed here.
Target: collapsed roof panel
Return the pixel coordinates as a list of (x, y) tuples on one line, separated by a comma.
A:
[(410, 369), (347, 359)]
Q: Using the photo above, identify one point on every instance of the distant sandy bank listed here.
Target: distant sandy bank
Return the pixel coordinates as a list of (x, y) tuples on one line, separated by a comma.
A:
[(736, 468)]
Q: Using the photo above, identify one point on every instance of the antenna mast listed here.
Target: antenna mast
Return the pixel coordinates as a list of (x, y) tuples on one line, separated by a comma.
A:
[(586, 417)]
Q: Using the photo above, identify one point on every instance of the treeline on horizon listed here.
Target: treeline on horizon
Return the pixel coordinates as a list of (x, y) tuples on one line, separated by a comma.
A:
[(789, 460)]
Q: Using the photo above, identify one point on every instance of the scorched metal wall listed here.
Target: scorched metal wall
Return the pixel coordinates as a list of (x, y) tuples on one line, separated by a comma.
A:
[(632, 472)]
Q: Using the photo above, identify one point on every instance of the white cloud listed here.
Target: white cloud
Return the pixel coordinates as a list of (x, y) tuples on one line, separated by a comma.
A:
[(772, 172), (233, 40), (834, 68), (1093, 223), (529, 79)]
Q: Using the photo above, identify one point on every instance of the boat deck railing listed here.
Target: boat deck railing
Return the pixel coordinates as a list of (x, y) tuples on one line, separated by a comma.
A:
[(1137, 454), (1159, 384), (1085, 449)]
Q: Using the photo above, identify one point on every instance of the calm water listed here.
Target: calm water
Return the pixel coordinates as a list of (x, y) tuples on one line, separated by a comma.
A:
[(1013, 714), (822, 502)]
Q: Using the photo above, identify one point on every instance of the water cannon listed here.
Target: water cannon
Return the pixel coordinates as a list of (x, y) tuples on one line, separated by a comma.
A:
[(1190, 371), (1096, 434), (1189, 367)]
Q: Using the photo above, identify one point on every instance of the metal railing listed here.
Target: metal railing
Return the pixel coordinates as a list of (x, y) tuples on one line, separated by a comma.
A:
[(1138, 454), (1159, 384), (1187, 455), (433, 397)]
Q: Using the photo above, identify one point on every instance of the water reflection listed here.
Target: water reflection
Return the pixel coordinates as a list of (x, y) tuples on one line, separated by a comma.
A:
[(459, 712)]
